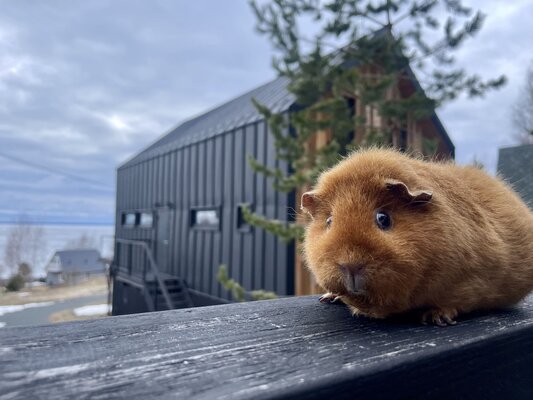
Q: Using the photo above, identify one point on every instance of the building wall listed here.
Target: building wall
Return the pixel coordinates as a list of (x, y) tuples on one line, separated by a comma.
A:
[(212, 172)]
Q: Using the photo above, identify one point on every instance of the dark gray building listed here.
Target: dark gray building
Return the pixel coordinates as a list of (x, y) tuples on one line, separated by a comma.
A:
[(182, 197), (515, 166), (179, 203)]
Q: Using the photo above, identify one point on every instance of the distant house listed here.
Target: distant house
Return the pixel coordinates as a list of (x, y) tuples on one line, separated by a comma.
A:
[(515, 166), (73, 266)]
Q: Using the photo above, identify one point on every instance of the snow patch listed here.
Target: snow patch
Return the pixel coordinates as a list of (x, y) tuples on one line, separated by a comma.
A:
[(20, 307), (2, 324), (98, 309)]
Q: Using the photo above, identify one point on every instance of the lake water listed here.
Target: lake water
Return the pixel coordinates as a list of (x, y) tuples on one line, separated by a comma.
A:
[(58, 237)]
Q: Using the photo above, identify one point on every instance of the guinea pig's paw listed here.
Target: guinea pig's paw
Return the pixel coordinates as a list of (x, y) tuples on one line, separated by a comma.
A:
[(330, 298), (440, 316)]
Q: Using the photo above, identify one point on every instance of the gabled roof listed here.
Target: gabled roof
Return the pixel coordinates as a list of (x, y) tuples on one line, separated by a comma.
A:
[(78, 260), (515, 166), (228, 116)]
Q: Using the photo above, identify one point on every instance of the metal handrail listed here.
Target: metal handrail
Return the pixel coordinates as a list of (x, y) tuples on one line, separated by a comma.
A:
[(153, 266)]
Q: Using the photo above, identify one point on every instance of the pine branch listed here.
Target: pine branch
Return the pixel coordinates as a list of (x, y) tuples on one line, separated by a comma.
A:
[(238, 292)]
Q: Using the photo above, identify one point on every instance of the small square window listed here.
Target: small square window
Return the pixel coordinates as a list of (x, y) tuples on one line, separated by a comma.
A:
[(129, 219), (146, 220), (205, 218)]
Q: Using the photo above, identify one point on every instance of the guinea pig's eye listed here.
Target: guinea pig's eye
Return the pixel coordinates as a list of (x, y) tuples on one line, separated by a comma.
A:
[(383, 220), (328, 222)]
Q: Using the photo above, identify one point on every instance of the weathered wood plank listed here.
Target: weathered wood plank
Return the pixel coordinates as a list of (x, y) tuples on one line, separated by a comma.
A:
[(274, 349)]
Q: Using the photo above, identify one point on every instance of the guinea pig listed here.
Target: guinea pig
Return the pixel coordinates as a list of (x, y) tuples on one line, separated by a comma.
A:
[(389, 233)]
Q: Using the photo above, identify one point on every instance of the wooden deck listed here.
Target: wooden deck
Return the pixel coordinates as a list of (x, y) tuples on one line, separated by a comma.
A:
[(285, 348)]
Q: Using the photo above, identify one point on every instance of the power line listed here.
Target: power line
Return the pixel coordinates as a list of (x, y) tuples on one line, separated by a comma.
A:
[(41, 167)]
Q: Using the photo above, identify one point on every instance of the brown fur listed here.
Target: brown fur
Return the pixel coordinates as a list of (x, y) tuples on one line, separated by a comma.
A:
[(470, 247)]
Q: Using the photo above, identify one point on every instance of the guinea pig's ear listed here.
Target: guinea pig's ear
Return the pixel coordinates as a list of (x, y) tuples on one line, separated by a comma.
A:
[(309, 202), (401, 190)]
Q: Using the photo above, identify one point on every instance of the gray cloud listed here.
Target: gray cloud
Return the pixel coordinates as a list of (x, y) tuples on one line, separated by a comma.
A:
[(85, 85)]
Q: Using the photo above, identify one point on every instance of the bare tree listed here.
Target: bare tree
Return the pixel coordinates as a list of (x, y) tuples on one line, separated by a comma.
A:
[(13, 250), (523, 111), (25, 244)]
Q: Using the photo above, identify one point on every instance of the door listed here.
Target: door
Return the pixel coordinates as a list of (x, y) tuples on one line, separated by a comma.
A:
[(164, 220)]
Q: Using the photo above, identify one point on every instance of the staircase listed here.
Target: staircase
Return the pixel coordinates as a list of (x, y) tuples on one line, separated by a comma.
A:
[(177, 290), (161, 291)]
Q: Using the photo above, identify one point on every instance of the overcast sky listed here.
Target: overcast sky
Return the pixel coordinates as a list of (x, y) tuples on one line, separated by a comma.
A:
[(84, 85)]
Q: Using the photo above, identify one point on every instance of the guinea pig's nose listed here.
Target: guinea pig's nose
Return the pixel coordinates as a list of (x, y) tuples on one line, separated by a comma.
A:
[(353, 268), (353, 278)]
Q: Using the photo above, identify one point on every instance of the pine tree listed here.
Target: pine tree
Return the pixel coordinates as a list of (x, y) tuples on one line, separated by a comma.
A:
[(361, 52)]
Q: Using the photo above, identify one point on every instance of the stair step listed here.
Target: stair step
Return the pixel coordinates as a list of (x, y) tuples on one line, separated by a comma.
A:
[(176, 289)]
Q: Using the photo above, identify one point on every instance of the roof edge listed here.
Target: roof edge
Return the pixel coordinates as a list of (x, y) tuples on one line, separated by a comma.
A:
[(191, 119)]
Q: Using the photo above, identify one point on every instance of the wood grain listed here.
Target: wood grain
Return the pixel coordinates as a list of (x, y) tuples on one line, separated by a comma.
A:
[(286, 348)]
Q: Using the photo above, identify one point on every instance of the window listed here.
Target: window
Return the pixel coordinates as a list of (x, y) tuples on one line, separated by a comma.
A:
[(242, 224), (205, 218), (146, 220), (128, 219)]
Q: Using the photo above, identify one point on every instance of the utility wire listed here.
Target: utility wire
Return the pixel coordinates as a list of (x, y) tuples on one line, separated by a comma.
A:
[(54, 171)]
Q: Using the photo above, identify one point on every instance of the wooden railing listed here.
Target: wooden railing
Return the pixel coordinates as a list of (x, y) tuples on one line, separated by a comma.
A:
[(287, 348), (148, 264)]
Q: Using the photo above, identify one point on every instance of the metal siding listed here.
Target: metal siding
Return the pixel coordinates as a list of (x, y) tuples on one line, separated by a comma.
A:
[(218, 172), (165, 202), (200, 238), (149, 195), (248, 237), (173, 225), (187, 169), (181, 211), (156, 176), (270, 240), (193, 198), (208, 268), (237, 183), (260, 208), (133, 232), (140, 233), (166, 179), (227, 207), (144, 185), (127, 189), (151, 191)]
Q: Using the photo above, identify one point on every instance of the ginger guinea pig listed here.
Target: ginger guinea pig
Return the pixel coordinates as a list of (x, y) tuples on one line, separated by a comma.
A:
[(390, 233)]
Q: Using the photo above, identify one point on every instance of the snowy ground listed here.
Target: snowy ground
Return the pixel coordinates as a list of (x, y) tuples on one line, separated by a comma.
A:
[(19, 307), (97, 309)]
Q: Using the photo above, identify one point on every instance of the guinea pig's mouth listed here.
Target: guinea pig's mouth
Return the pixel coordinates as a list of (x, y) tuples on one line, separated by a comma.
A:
[(353, 278)]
